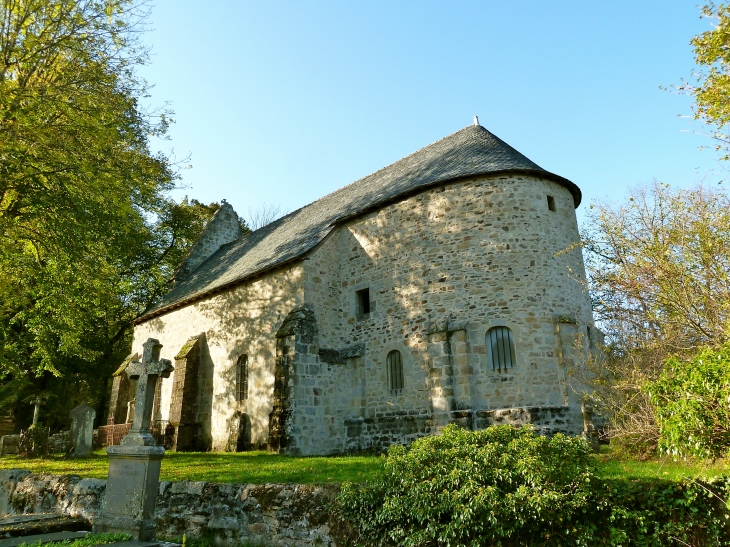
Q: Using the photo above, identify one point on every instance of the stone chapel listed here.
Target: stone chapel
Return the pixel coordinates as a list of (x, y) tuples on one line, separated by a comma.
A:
[(444, 288)]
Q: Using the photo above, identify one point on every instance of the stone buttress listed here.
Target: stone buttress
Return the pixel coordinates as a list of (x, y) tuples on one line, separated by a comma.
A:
[(184, 396)]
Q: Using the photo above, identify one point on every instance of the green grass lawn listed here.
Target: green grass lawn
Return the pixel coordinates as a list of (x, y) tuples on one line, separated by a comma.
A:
[(87, 541), (263, 467), (614, 466), (243, 467)]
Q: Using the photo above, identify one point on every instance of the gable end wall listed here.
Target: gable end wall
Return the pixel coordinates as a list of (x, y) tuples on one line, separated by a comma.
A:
[(242, 320)]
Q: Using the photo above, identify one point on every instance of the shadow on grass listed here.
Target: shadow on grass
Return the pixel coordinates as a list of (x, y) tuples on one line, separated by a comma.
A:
[(243, 467)]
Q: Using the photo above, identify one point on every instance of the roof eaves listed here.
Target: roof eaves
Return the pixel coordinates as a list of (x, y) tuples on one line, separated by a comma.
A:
[(570, 186), (574, 190), (212, 292)]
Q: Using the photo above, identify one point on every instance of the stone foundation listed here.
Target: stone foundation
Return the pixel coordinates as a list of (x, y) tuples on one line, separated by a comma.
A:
[(405, 427), (270, 514)]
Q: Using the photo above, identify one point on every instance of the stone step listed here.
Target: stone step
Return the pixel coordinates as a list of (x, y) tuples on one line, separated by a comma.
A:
[(41, 538), (40, 523)]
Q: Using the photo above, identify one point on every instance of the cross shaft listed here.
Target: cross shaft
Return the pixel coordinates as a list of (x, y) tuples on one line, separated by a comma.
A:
[(146, 373)]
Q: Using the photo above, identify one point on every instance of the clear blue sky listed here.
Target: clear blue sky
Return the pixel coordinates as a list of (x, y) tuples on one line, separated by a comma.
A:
[(287, 101)]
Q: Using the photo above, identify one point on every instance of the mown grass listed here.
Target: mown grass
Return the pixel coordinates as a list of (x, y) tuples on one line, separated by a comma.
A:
[(244, 467), (264, 467), (86, 541), (612, 464)]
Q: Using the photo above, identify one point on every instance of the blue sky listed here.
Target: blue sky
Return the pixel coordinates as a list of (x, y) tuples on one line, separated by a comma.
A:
[(284, 102)]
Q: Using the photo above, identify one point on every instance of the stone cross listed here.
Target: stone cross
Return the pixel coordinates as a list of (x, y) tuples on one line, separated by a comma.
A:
[(37, 410), (146, 372), (134, 466)]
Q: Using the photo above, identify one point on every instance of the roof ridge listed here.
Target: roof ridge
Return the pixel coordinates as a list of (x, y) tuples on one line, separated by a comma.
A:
[(468, 152), (391, 164)]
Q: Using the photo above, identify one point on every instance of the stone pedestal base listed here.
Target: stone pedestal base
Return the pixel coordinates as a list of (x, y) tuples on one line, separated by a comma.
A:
[(131, 492)]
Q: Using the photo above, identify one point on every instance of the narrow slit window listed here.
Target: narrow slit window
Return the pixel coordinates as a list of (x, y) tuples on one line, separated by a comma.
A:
[(242, 378), (395, 372), (551, 203), (500, 349), (363, 302)]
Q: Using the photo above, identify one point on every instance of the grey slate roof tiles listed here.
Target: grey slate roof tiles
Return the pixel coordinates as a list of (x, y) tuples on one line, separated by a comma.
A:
[(468, 152)]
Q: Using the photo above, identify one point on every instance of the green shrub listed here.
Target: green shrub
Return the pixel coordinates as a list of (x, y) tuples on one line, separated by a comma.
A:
[(510, 487), (692, 404), (471, 488)]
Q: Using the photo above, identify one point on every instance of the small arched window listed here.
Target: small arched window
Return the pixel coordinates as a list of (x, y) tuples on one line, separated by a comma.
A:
[(500, 348), (395, 372), (242, 378)]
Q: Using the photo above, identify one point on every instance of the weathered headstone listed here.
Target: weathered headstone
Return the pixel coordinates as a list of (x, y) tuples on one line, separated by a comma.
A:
[(134, 465), (9, 444), (82, 430)]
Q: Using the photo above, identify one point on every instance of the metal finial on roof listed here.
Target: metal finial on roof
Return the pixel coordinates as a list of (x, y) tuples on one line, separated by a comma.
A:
[(476, 120)]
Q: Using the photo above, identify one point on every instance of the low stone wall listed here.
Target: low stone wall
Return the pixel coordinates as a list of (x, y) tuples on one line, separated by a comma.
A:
[(270, 514), (60, 443)]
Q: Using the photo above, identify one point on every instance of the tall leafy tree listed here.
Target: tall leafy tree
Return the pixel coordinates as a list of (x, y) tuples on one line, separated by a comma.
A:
[(88, 235), (711, 87), (658, 268)]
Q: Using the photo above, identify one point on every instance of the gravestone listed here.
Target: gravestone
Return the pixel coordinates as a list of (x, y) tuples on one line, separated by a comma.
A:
[(82, 430), (9, 444), (134, 465)]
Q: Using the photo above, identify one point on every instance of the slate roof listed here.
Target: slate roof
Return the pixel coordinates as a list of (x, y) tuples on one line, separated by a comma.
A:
[(468, 152)]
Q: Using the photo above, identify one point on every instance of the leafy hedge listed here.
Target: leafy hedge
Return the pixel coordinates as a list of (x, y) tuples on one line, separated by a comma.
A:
[(692, 404), (510, 487)]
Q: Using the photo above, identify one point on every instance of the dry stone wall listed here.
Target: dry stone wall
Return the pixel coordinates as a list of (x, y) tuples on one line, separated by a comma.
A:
[(270, 514)]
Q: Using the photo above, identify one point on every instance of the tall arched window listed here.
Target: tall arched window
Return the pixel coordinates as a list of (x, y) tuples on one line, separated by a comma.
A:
[(242, 378), (500, 348), (395, 372)]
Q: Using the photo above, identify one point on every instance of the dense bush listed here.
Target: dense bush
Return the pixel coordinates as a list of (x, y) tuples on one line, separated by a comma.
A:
[(692, 404), (510, 487)]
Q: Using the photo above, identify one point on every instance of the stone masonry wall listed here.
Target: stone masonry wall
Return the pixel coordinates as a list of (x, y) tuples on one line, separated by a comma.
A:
[(243, 320), (270, 514), (307, 389), (442, 268), (223, 228)]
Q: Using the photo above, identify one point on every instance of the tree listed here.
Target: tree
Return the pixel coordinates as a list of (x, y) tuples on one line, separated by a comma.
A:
[(80, 317), (258, 217), (712, 92), (75, 155), (658, 269), (88, 235), (690, 398)]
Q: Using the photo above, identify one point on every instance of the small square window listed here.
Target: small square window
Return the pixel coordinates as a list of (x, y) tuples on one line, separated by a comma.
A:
[(551, 203), (363, 302)]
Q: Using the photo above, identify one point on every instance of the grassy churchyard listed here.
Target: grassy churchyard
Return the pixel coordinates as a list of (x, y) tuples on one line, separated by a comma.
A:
[(264, 467), (257, 467)]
